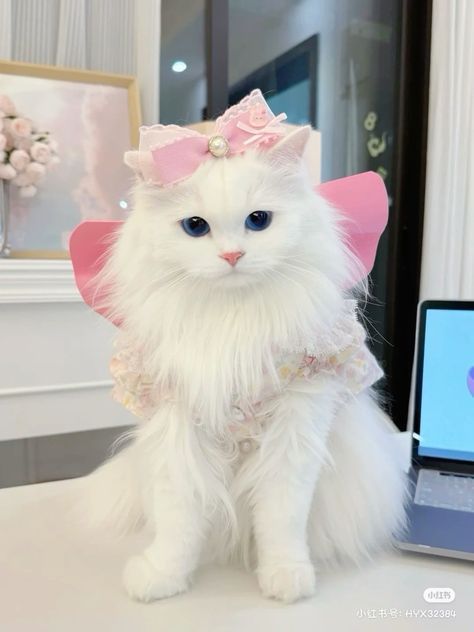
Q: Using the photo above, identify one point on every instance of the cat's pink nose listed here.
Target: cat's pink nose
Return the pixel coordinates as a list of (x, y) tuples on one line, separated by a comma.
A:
[(231, 257)]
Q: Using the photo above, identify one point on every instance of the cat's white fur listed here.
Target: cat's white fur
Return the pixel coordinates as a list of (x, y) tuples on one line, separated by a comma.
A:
[(324, 483)]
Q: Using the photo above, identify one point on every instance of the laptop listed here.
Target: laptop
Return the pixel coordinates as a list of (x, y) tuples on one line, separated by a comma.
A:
[(441, 508)]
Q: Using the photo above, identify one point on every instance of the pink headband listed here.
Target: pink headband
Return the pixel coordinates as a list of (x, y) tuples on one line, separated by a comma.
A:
[(168, 154)]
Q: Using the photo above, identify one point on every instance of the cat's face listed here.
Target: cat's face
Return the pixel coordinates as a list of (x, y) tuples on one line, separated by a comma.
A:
[(233, 222)]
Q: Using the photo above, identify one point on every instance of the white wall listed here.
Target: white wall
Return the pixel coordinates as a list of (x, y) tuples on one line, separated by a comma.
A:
[(54, 355)]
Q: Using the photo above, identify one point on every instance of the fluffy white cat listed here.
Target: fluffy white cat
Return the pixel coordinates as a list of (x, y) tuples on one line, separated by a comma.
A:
[(237, 459)]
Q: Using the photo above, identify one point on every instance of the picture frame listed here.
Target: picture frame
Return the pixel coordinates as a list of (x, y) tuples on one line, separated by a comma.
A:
[(94, 117)]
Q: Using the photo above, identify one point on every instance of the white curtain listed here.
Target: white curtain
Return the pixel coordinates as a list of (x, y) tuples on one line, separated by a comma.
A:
[(118, 36), (448, 240)]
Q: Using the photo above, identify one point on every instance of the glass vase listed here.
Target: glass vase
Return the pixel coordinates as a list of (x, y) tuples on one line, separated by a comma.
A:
[(4, 217)]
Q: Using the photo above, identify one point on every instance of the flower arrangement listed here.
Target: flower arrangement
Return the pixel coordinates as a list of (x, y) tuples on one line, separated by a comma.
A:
[(25, 152)]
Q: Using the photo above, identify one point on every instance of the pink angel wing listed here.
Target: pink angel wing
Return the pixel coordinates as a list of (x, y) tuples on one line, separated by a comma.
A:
[(89, 245), (361, 198), (363, 201)]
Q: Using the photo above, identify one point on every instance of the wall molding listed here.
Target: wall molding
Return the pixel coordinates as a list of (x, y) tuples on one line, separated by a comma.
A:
[(37, 281), (54, 388)]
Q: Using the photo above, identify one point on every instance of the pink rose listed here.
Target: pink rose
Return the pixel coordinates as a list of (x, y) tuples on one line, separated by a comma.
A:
[(40, 152), (7, 105), (53, 145), (1, 124), (28, 191), (7, 172), (20, 127), (3, 141), (24, 143), (19, 159), (10, 144), (3, 155), (35, 171), (22, 180)]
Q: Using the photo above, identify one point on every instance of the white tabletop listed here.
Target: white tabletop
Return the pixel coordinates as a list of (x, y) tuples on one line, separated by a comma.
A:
[(56, 578)]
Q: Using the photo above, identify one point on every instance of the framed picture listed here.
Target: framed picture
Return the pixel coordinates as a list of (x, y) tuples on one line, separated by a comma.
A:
[(93, 118)]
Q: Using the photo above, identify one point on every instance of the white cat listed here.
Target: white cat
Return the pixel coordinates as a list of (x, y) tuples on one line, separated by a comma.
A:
[(260, 440)]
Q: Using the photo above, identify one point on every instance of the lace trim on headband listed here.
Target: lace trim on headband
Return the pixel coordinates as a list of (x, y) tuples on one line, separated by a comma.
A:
[(240, 108)]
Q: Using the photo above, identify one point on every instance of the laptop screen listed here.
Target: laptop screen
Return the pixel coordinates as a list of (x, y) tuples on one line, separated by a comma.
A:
[(447, 387)]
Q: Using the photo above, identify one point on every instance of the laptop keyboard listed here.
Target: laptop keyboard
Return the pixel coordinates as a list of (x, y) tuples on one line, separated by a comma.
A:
[(445, 490)]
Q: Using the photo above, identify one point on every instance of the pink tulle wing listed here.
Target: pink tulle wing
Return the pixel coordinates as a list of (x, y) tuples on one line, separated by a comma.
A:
[(89, 245), (362, 199)]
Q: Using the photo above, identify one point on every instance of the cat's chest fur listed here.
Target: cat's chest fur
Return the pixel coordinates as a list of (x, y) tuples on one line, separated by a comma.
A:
[(210, 352), (229, 376)]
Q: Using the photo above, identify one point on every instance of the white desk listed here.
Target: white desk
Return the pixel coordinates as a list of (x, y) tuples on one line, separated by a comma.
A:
[(56, 578)]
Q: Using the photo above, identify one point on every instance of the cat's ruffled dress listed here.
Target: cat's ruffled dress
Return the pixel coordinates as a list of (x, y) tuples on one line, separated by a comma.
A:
[(341, 354)]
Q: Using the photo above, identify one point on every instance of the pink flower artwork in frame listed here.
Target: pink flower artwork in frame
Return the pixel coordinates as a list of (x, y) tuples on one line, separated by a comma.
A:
[(93, 118)]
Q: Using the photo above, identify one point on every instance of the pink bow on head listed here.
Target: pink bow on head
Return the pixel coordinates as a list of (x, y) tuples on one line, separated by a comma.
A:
[(168, 154)]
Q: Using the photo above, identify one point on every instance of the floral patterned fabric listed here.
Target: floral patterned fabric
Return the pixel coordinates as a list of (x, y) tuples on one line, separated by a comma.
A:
[(343, 354)]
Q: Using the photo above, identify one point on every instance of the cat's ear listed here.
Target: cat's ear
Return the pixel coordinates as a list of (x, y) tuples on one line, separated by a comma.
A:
[(130, 158), (291, 146)]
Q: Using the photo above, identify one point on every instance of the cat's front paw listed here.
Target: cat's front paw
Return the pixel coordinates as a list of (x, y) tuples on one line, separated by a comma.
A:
[(143, 582), (288, 582)]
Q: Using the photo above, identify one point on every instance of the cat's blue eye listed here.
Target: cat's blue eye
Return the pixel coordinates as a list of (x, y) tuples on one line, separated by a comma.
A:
[(195, 226), (258, 220)]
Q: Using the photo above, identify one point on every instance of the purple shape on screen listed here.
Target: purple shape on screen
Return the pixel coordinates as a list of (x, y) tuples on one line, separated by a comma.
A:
[(470, 380)]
